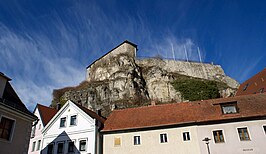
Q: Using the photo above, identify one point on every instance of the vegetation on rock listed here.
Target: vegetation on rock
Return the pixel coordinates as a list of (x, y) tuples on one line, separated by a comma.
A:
[(193, 89)]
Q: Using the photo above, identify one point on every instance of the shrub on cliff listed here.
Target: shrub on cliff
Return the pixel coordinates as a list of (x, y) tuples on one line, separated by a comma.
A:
[(196, 89)]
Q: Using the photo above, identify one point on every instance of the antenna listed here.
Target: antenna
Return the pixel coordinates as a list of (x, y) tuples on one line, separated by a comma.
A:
[(173, 50), (199, 55), (186, 53)]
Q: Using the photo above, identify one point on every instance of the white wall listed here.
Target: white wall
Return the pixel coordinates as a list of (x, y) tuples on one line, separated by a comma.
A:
[(232, 144), (85, 129), (150, 142), (38, 134)]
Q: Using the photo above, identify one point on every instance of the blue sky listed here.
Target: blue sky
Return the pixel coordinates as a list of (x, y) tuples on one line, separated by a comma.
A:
[(45, 45)]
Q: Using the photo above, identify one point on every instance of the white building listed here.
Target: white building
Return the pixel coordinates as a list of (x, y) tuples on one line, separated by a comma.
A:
[(234, 125), (74, 129), (44, 114)]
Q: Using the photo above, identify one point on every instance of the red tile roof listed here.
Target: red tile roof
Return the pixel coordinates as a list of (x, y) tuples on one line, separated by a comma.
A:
[(46, 113), (255, 84), (184, 113)]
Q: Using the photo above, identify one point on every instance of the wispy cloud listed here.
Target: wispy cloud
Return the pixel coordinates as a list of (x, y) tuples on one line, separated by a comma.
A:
[(52, 49)]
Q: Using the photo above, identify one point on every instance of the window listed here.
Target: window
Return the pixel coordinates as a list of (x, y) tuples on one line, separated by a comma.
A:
[(82, 145), (186, 136), (218, 136), (261, 90), (33, 132), (163, 138), (33, 146), (6, 126), (246, 86), (264, 127), (71, 146), (60, 148), (50, 149), (117, 141), (38, 145), (136, 140), (229, 108), (243, 134), (73, 120), (63, 122)]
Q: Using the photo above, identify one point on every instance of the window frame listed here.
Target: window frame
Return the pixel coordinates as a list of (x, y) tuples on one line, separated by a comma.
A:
[(138, 140), (70, 141), (38, 147), (65, 122), (214, 140), (186, 138), (12, 129), (243, 127), (53, 144), (76, 120), (229, 104), (86, 145), (33, 146), (63, 148), (163, 139)]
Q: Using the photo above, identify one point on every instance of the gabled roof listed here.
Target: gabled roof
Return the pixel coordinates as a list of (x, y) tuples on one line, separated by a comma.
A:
[(126, 41), (11, 100), (256, 84), (83, 110), (46, 113), (185, 113)]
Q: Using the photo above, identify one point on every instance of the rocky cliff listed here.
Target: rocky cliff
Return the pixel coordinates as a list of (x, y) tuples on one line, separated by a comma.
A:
[(118, 79)]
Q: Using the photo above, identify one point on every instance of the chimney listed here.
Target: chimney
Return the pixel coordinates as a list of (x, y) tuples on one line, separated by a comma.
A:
[(99, 112), (58, 106)]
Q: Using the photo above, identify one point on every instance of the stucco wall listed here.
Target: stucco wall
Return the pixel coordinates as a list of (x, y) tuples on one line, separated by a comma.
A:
[(21, 135), (232, 144), (85, 129), (38, 135), (150, 142)]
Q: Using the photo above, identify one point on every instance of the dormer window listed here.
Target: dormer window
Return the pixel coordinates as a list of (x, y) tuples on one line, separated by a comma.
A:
[(229, 108)]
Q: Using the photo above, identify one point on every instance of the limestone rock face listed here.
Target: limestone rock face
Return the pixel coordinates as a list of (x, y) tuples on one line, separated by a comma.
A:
[(119, 79)]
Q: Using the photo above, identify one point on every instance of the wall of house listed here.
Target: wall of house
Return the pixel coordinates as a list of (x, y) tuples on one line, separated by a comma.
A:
[(85, 129), (2, 85), (38, 135), (150, 142), (232, 144), (21, 133)]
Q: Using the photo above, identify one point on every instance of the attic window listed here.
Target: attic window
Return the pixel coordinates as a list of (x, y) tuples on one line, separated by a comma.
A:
[(229, 108), (246, 86)]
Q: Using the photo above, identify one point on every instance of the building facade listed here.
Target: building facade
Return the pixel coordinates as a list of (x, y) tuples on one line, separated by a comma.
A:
[(13, 117), (232, 125), (74, 129), (44, 114)]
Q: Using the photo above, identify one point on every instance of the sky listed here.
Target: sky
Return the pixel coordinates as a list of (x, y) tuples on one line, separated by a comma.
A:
[(47, 44)]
